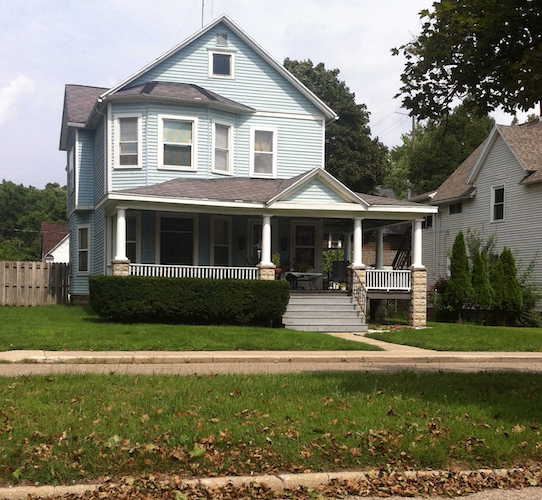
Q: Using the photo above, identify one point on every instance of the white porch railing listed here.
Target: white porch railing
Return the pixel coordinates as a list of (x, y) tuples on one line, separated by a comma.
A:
[(212, 272), (383, 279)]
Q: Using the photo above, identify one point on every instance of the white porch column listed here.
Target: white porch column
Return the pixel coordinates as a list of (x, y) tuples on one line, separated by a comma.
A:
[(417, 244), (379, 260), (267, 268), (357, 259), (348, 247), (120, 244)]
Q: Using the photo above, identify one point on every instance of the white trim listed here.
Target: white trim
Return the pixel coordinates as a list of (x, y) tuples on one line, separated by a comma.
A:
[(296, 116), (253, 131), (106, 151), (116, 145), (211, 53), (213, 218), (88, 249), (230, 170), (492, 204), (195, 128), (323, 145), (109, 149), (249, 41), (195, 234)]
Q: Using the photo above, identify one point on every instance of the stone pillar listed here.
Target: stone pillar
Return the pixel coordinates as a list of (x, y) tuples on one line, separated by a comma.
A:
[(418, 298), (266, 266), (379, 260), (120, 264)]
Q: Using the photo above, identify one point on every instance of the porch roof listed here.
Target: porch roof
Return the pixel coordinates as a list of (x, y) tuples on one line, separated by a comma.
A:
[(243, 189)]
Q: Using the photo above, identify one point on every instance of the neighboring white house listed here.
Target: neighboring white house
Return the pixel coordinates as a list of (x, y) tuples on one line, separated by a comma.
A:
[(497, 191), (55, 242)]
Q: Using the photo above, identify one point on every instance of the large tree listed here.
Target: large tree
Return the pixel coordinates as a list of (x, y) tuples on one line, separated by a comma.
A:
[(352, 155), (22, 210), (432, 152), (489, 50)]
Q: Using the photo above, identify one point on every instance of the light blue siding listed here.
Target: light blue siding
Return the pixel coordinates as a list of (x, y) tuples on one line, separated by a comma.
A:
[(97, 231), (316, 191), (78, 282), (256, 84), (85, 163), (299, 144), (99, 162)]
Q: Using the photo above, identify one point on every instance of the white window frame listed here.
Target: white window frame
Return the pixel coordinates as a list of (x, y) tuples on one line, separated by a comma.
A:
[(212, 239), (230, 148), (492, 205), (87, 227), (224, 52), (116, 155), (180, 118), (253, 131)]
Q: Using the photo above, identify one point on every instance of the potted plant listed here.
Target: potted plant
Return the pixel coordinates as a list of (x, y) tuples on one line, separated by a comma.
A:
[(275, 258)]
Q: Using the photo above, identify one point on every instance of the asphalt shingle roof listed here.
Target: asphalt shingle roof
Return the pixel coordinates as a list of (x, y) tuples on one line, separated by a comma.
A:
[(79, 101)]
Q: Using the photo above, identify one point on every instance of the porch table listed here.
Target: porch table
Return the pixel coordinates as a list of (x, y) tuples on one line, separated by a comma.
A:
[(309, 278)]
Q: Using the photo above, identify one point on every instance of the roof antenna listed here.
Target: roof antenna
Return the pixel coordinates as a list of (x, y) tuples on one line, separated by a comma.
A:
[(202, 11)]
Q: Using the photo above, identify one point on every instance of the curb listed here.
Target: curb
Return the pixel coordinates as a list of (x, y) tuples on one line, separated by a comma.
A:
[(277, 482)]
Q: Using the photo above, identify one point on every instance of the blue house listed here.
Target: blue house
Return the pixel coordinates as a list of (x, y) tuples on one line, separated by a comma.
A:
[(209, 162)]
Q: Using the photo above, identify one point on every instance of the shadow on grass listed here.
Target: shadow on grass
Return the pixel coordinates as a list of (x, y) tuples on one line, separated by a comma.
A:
[(501, 396)]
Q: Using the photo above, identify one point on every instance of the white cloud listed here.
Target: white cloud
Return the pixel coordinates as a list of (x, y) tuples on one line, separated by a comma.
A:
[(12, 92)]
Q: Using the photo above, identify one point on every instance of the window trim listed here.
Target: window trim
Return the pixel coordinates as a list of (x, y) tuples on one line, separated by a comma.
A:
[(212, 238), (87, 227), (116, 146), (195, 234), (195, 128), (230, 170), (492, 204), (224, 52), (253, 131)]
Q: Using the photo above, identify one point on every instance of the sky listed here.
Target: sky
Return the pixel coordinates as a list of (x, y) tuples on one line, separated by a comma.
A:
[(45, 44)]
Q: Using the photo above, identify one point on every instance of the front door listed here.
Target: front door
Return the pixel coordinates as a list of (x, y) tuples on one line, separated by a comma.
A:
[(176, 240), (305, 247)]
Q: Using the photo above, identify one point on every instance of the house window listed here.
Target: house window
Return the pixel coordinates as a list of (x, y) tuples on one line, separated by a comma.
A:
[(222, 142), (83, 249), (497, 212), (177, 149), (263, 153), (456, 208), (128, 129), (131, 238), (221, 241), (427, 222), (177, 240), (221, 64)]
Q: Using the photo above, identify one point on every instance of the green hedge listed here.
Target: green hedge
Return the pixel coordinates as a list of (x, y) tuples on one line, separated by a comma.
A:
[(134, 299)]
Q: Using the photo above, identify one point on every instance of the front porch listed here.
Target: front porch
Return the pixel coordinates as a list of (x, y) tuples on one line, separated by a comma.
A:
[(174, 244)]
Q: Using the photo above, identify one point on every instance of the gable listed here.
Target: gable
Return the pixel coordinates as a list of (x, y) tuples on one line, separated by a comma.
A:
[(498, 165), (256, 84), (315, 191)]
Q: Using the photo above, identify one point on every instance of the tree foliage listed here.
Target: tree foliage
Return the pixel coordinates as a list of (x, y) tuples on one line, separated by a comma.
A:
[(459, 287), (352, 155), (488, 50), (426, 158), (511, 295), (22, 210)]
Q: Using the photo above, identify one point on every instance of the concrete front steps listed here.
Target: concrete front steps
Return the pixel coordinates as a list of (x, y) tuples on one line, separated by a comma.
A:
[(323, 312)]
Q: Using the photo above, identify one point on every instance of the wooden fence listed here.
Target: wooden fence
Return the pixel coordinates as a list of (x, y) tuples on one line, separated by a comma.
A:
[(33, 283)]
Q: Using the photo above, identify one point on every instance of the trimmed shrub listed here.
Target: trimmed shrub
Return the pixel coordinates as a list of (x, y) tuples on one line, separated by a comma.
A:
[(512, 297), (134, 299), (459, 287), (483, 294)]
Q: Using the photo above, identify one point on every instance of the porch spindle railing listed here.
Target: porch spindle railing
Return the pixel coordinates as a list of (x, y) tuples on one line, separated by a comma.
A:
[(211, 272), (384, 279)]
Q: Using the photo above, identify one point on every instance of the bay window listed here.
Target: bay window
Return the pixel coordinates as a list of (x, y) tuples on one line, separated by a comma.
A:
[(178, 142), (129, 140)]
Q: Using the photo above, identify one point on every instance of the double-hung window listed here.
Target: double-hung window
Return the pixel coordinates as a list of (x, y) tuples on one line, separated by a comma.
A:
[(497, 203), (129, 140), (221, 64), (178, 142), (223, 148), (83, 244), (264, 154)]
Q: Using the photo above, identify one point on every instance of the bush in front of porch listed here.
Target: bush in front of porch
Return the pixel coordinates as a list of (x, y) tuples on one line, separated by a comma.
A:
[(133, 299)]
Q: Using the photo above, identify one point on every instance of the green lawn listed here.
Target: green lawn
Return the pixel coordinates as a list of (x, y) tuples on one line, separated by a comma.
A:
[(467, 337), (76, 328), (64, 428)]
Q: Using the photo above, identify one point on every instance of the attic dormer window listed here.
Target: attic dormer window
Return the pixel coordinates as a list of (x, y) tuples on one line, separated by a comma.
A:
[(221, 64)]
